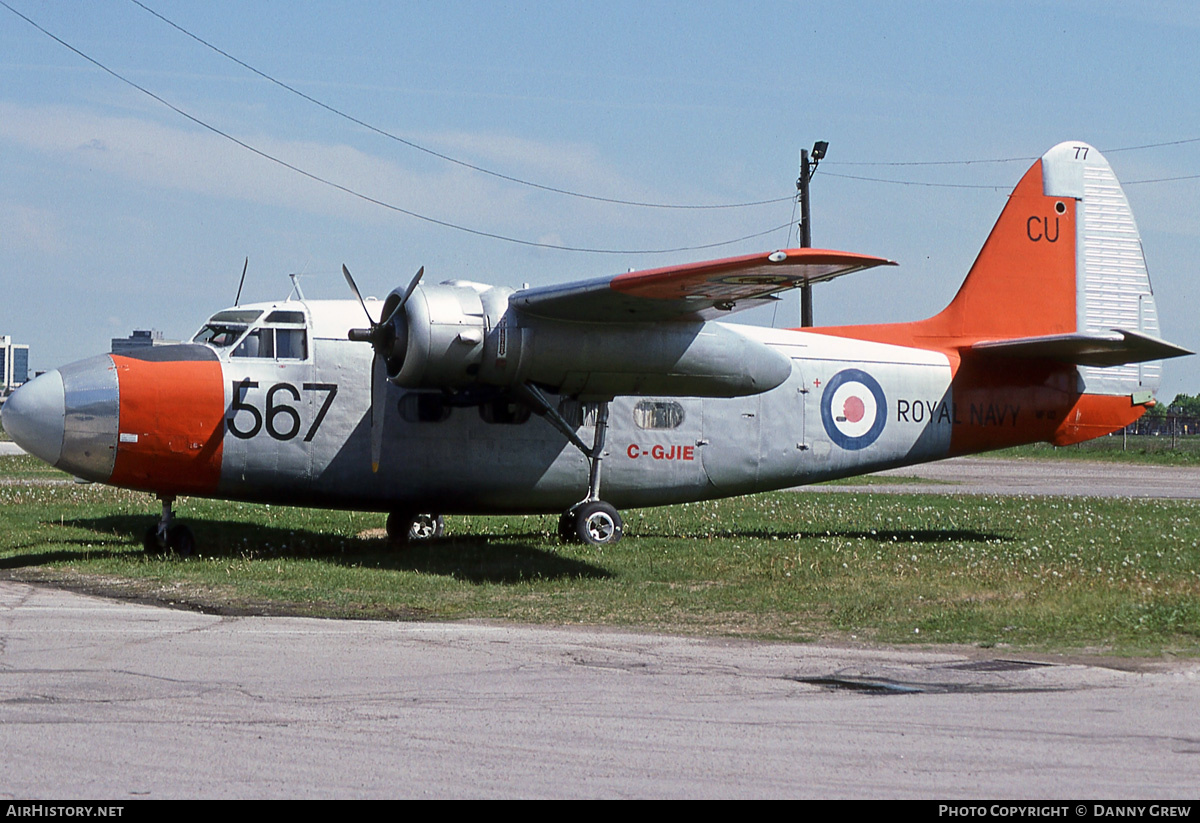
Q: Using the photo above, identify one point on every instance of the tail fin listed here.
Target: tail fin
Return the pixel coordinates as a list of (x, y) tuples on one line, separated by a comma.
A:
[(1061, 277)]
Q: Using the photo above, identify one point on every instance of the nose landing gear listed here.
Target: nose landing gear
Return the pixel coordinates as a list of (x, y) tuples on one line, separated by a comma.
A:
[(167, 536)]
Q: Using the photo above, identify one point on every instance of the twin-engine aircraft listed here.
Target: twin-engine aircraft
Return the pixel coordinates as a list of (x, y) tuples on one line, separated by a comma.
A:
[(623, 391)]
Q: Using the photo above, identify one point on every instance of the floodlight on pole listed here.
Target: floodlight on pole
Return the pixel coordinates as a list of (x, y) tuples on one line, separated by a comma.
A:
[(806, 172)]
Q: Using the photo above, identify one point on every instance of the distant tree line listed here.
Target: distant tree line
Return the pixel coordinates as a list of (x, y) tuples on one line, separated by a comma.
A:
[(1180, 416)]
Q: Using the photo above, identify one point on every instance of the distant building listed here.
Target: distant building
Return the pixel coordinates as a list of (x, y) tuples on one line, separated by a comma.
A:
[(139, 339), (14, 363)]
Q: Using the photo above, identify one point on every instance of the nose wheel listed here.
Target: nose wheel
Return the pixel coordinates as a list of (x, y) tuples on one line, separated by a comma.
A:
[(167, 536)]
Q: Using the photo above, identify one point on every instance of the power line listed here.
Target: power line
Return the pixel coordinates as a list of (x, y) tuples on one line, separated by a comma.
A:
[(915, 182), (361, 196), (977, 161), (440, 155)]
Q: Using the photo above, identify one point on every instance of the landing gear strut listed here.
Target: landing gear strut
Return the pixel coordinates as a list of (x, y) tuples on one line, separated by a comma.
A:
[(591, 520), (167, 536)]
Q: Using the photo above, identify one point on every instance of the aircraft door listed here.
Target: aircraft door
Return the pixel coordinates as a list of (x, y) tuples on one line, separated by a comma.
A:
[(731, 442), (758, 442)]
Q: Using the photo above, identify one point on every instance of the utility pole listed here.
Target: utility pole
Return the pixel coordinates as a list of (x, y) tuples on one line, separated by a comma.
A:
[(806, 172)]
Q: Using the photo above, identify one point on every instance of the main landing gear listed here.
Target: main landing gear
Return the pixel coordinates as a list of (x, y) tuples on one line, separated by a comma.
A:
[(167, 536), (412, 528), (591, 520)]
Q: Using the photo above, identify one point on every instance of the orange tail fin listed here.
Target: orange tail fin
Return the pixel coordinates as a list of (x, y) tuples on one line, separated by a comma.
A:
[(1061, 278)]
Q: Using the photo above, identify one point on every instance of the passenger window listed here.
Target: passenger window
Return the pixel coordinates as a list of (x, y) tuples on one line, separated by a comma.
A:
[(657, 414)]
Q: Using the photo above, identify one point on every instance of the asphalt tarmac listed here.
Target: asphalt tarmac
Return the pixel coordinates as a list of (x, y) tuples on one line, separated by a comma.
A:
[(1068, 478), (109, 700)]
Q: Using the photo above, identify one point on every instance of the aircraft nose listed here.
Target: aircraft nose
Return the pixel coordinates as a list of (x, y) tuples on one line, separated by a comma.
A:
[(34, 416), (68, 417)]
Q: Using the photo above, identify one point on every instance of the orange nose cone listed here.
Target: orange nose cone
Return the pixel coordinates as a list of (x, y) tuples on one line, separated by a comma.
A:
[(171, 422)]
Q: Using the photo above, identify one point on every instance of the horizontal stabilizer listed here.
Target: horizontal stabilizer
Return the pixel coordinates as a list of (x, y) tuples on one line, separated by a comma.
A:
[(1114, 349)]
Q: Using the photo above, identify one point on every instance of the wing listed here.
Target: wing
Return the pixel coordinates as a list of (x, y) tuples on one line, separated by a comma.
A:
[(694, 291)]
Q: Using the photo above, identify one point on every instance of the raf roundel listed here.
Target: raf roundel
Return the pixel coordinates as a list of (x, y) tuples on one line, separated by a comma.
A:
[(853, 409)]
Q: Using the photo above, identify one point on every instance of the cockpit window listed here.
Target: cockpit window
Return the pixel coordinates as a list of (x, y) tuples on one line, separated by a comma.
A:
[(242, 317), (282, 335), (219, 335), (258, 343), (281, 344), (225, 327)]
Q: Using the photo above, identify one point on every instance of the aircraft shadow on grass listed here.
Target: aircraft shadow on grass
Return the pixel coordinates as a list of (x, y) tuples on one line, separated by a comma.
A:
[(476, 559)]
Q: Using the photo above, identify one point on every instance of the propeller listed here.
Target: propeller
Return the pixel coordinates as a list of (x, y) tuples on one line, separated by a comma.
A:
[(382, 337)]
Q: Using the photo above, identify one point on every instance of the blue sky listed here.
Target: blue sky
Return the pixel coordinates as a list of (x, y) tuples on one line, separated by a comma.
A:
[(118, 213)]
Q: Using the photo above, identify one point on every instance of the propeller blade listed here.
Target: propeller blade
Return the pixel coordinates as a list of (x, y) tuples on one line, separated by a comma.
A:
[(378, 394), (407, 294), (354, 288), (413, 285)]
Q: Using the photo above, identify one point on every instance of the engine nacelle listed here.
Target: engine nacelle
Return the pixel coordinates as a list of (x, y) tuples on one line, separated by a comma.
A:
[(439, 340), (601, 360), (458, 334)]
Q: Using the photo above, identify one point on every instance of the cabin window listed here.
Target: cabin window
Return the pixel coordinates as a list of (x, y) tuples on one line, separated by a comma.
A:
[(657, 414), (421, 407)]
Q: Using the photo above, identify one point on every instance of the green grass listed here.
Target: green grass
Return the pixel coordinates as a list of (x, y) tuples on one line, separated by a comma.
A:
[(1111, 576), (27, 467), (1163, 451)]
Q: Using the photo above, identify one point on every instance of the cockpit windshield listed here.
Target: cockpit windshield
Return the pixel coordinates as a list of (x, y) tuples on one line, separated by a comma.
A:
[(226, 327), (281, 335)]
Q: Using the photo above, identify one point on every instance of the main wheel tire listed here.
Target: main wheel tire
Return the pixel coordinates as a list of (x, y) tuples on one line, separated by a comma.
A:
[(405, 528), (426, 527), (598, 524)]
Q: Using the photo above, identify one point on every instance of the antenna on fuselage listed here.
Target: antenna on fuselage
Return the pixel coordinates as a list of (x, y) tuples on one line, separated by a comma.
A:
[(296, 286), (242, 282)]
